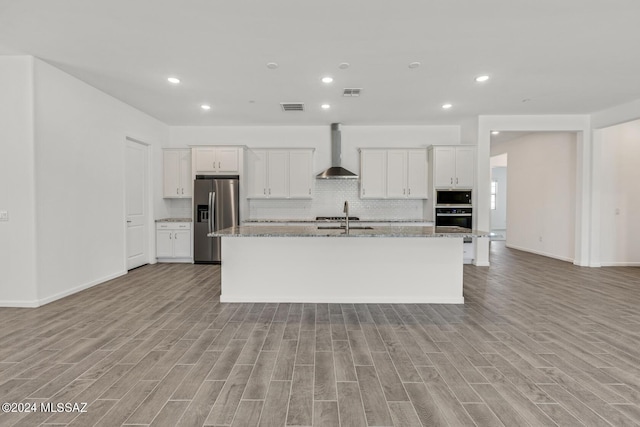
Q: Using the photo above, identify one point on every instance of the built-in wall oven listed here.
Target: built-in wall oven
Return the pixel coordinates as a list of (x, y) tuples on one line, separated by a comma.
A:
[(453, 208), (454, 217)]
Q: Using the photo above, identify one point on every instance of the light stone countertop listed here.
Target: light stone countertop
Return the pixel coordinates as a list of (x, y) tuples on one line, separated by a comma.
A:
[(315, 231), (174, 220), (314, 221)]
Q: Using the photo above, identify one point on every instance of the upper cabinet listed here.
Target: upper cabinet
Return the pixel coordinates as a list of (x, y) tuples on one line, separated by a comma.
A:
[(393, 173), (453, 166), (177, 173), (216, 160), (280, 173)]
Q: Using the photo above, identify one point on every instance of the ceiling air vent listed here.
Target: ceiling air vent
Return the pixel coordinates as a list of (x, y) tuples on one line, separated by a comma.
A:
[(292, 106), (351, 92)]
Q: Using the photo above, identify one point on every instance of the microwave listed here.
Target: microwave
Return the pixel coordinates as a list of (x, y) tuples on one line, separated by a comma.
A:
[(453, 198)]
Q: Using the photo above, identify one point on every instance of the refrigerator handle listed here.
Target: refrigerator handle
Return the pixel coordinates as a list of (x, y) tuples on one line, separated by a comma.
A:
[(212, 204)]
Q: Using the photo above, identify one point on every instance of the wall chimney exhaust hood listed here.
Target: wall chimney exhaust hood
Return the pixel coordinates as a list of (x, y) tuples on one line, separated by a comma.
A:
[(336, 171)]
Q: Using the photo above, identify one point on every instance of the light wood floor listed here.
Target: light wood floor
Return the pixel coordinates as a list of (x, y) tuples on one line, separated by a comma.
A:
[(539, 342)]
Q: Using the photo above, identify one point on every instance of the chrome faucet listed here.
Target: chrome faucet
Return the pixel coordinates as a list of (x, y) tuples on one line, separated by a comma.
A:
[(346, 217)]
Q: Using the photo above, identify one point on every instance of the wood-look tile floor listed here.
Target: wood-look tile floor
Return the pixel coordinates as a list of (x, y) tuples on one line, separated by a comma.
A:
[(538, 342)]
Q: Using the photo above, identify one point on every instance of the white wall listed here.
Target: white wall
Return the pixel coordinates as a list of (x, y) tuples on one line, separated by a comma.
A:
[(541, 193), (17, 183), (619, 159), (80, 155), (499, 214)]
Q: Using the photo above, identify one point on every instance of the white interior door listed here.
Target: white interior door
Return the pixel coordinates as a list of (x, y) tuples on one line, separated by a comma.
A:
[(136, 204)]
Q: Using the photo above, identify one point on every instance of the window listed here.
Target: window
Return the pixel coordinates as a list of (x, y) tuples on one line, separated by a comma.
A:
[(494, 191)]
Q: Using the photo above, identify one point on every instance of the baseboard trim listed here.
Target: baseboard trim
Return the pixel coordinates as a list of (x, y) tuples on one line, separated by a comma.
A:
[(533, 251), (620, 264), (77, 289), (19, 304), (342, 300)]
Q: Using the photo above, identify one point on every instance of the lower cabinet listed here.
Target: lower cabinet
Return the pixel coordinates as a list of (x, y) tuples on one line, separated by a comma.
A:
[(174, 242)]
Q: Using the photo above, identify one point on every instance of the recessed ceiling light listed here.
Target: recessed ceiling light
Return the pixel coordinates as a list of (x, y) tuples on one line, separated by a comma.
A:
[(447, 106), (325, 106), (272, 65), (327, 79), (173, 80), (414, 65), (205, 107), (495, 132), (481, 79), (344, 65)]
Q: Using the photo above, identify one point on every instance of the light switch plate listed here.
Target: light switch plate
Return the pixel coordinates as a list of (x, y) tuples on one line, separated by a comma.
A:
[(4, 216)]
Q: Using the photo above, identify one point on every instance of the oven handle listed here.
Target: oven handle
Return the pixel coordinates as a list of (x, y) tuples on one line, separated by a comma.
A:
[(444, 214)]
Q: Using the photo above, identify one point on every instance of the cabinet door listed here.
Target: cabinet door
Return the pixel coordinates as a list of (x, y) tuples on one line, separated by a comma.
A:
[(373, 177), (205, 159), (182, 243), (278, 174), (171, 173), (417, 174), (257, 160), (465, 162), (300, 174), (186, 185), (164, 243), (396, 174), (227, 160), (444, 166)]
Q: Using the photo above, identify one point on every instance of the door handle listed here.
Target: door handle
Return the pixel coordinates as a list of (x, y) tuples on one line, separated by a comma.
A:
[(183, 191), (129, 222), (175, 236), (456, 180), (218, 165), (212, 200), (177, 191), (170, 236), (452, 180), (409, 192)]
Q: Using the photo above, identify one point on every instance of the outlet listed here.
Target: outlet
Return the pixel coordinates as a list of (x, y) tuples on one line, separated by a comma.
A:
[(4, 216)]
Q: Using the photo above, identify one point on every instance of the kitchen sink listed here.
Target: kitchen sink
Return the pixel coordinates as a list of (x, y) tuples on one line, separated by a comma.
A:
[(342, 227)]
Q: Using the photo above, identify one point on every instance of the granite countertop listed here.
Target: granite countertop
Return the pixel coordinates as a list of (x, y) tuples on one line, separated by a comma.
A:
[(174, 220), (314, 231), (314, 221)]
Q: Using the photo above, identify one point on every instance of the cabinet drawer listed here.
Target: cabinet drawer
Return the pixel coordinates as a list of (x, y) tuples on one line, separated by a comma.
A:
[(173, 226)]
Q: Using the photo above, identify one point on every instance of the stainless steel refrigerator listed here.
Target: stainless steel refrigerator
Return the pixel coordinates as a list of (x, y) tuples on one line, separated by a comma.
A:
[(216, 205)]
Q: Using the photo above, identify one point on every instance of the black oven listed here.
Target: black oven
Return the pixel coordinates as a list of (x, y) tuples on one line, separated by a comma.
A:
[(453, 197), (454, 217)]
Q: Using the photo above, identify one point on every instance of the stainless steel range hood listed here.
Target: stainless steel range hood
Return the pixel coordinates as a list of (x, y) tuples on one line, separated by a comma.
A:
[(336, 171)]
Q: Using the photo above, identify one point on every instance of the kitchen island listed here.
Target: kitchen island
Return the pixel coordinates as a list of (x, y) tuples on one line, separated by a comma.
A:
[(307, 263)]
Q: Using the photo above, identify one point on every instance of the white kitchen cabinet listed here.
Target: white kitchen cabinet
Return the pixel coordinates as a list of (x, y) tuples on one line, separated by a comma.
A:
[(453, 166), (280, 174), (174, 242), (417, 174), (177, 173), (393, 173), (216, 160), (373, 174), (300, 174), (396, 174)]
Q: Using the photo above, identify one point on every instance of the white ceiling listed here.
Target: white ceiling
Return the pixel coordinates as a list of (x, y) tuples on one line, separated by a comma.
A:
[(561, 56)]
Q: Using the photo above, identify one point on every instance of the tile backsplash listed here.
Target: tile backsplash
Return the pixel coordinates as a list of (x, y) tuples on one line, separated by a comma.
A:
[(328, 200), (179, 208)]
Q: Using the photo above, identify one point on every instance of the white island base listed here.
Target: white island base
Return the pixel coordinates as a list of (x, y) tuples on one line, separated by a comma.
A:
[(342, 270)]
